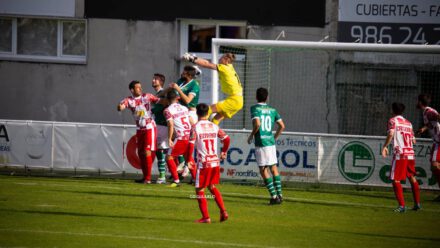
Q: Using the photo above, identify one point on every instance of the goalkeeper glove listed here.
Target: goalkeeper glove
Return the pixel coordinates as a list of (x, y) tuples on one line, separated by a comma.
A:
[(198, 71), (190, 57)]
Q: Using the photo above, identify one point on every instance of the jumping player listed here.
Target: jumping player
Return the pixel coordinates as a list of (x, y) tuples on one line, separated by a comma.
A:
[(204, 135), (263, 119), (431, 124), (229, 82), (140, 105), (400, 132), (179, 127)]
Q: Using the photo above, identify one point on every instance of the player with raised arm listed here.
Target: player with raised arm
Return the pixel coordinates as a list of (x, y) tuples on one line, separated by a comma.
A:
[(263, 119), (400, 133), (140, 105), (162, 130), (431, 124), (179, 127), (204, 135), (229, 82), (188, 89)]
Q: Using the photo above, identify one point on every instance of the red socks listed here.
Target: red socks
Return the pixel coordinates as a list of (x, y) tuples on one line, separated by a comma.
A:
[(218, 199), (398, 191), (416, 191), (149, 167), (173, 169), (437, 176), (203, 204)]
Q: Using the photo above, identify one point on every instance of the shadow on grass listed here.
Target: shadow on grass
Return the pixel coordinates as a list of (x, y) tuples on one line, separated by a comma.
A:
[(94, 215), (385, 236)]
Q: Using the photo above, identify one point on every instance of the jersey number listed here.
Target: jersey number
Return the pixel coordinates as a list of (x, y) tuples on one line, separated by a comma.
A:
[(185, 124), (406, 139), (209, 145), (266, 123)]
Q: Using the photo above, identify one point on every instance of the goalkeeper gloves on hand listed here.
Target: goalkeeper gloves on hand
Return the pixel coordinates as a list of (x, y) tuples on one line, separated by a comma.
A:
[(189, 57)]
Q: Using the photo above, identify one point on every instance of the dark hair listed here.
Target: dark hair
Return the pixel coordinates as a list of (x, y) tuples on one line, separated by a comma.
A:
[(202, 109), (230, 56), (398, 108), (171, 95), (160, 76), (191, 70), (262, 94), (424, 99), (132, 84)]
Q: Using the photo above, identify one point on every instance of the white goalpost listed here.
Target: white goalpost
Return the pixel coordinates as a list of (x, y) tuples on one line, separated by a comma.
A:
[(329, 87)]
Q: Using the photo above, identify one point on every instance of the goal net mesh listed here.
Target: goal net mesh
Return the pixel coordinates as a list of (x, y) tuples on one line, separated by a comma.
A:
[(332, 91)]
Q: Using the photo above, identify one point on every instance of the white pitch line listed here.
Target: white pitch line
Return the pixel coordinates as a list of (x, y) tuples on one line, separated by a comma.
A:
[(293, 199), (136, 237)]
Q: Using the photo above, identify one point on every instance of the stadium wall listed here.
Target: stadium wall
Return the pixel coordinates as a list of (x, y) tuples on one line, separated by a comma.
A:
[(111, 149)]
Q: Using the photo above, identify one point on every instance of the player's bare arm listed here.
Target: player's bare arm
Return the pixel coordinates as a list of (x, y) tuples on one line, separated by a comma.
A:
[(422, 130), (280, 128), (385, 151), (170, 125), (256, 126), (121, 107), (185, 98), (199, 61)]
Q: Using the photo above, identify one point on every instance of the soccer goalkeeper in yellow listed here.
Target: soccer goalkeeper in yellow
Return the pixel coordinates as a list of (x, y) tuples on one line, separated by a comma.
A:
[(229, 82)]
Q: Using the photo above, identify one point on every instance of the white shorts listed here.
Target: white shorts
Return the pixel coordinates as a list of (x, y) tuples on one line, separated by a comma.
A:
[(162, 137), (193, 115), (266, 155)]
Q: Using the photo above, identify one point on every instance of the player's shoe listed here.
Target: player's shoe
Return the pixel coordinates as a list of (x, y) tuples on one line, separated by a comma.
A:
[(202, 220), (416, 207), (400, 209), (280, 199), (223, 216), (174, 185), (273, 201), (185, 171), (437, 199), (142, 181), (161, 180)]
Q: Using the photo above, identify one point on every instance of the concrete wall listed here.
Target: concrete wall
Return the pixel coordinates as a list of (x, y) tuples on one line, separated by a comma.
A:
[(118, 52)]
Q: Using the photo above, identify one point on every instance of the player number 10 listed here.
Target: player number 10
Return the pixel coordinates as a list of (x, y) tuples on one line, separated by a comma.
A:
[(266, 123)]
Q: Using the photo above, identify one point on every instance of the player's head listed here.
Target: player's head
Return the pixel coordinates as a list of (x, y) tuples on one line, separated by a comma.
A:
[(135, 88), (262, 94), (202, 110), (172, 96), (158, 81), (227, 58), (423, 101), (189, 72), (397, 108)]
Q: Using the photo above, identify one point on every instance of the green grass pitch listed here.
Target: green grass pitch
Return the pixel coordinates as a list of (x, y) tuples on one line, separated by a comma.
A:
[(69, 212)]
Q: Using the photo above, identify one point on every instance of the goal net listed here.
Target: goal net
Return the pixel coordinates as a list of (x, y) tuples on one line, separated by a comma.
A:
[(326, 87)]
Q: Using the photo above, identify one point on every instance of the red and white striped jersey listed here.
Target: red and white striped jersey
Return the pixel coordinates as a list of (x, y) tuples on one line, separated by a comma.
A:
[(205, 135), (141, 108), (180, 116), (430, 119), (403, 136)]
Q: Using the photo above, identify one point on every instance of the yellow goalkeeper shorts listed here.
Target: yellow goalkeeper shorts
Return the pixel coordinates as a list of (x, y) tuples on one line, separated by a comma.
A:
[(230, 106)]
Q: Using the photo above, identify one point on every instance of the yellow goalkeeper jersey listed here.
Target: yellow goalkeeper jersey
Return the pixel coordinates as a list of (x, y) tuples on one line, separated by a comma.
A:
[(229, 81)]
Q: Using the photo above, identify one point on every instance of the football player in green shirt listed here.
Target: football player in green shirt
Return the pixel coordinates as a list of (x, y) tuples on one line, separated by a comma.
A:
[(162, 129), (263, 119), (188, 89)]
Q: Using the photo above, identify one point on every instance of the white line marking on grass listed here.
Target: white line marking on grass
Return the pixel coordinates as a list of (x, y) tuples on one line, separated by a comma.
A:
[(214, 243)]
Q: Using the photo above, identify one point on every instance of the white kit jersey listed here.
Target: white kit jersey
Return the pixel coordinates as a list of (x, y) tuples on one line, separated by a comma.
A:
[(205, 135), (430, 119), (403, 137), (180, 116), (141, 108)]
